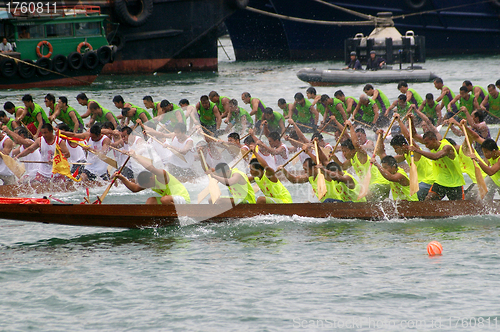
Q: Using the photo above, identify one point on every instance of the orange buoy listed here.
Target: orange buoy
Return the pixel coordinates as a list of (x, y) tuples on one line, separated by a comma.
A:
[(39, 52), (434, 248), (82, 44)]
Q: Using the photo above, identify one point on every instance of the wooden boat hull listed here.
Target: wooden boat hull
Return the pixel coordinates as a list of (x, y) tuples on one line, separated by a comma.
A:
[(318, 77), (142, 216)]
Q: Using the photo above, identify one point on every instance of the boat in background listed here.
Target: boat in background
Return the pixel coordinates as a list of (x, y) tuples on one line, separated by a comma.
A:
[(470, 27), (165, 35), (143, 216), (67, 47), (329, 77)]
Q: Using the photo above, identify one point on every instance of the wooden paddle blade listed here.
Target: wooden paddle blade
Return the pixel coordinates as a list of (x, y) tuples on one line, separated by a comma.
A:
[(366, 184), (213, 187), (413, 178), (255, 188), (16, 168), (483, 189), (321, 186), (204, 193), (111, 162), (178, 155)]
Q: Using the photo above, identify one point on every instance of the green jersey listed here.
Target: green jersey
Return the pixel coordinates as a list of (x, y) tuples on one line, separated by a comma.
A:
[(447, 171), (64, 117), (173, 188), (32, 116), (494, 105), (274, 124), (400, 192), (303, 113), (273, 190), (170, 118), (242, 193), (368, 113), (207, 117)]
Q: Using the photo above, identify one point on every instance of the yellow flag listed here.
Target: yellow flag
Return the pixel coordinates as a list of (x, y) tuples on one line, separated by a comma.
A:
[(60, 165)]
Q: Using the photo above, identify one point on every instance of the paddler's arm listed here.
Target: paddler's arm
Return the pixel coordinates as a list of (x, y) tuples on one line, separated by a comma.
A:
[(397, 177), (8, 145), (133, 187), (472, 134), (447, 151), (84, 135), (64, 149), (73, 118), (444, 91), (265, 128), (455, 130), (148, 165), (341, 110), (105, 145), (188, 147), (292, 178), (30, 149), (234, 179), (255, 106), (390, 108), (490, 170), (452, 102), (17, 138), (315, 112), (56, 113), (377, 114), (356, 110), (484, 102), (218, 118), (341, 178), (299, 132), (40, 123), (110, 118)]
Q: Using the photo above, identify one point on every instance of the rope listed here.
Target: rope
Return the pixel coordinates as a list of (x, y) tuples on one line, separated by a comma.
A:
[(439, 10), (38, 67), (303, 20)]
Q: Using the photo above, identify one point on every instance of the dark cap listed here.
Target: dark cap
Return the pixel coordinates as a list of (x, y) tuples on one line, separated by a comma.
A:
[(353, 53)]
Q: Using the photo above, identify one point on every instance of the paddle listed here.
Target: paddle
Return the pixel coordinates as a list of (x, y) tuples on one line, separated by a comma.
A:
[(240, 159), (213, 186), (293, 157), (111, 162), (496, 139), (49, 162), (125, 153), (446, 132), (413, 168), (177, 153), (368, 176), (100, 199), (326, 125), (311, 128), (320, 179), (338, 141), (389, 129), (164, 127), (483, 189), (283, 133), (16, 168)]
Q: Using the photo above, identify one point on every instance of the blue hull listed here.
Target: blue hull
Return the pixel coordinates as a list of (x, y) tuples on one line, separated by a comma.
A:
[(465, 30)]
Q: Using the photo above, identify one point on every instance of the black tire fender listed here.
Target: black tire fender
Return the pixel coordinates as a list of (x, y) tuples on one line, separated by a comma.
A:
[(135, 20), (8, 67), (104, 53), (90, 60), (43, 63), (25, 70), (75, 60), (60, 63)]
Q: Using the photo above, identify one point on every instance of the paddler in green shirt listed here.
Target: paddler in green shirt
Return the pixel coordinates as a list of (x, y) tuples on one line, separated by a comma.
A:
[(68, 115), (478, 91), (492, 167), (287, 108), (257, 108), (50, 103), (17, 111), (316, 100), (6, 121), (382, 102), (334, 111), (398, 179), (304, 113), (209, 114), (121, 104), (491, 104), (222, 103), (466, 100), (171, 191), (101, 115), (170, 114), (411, 95), (265, 177), (402, 105), (431, 109), (238, 120), (150, 104), (34, 116), (83, 100), (448, 180), (272, 121), (369, 108), (237, 182)]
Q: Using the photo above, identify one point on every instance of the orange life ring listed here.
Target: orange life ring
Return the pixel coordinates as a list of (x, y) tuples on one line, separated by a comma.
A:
[(39, 53), (83, 44)]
